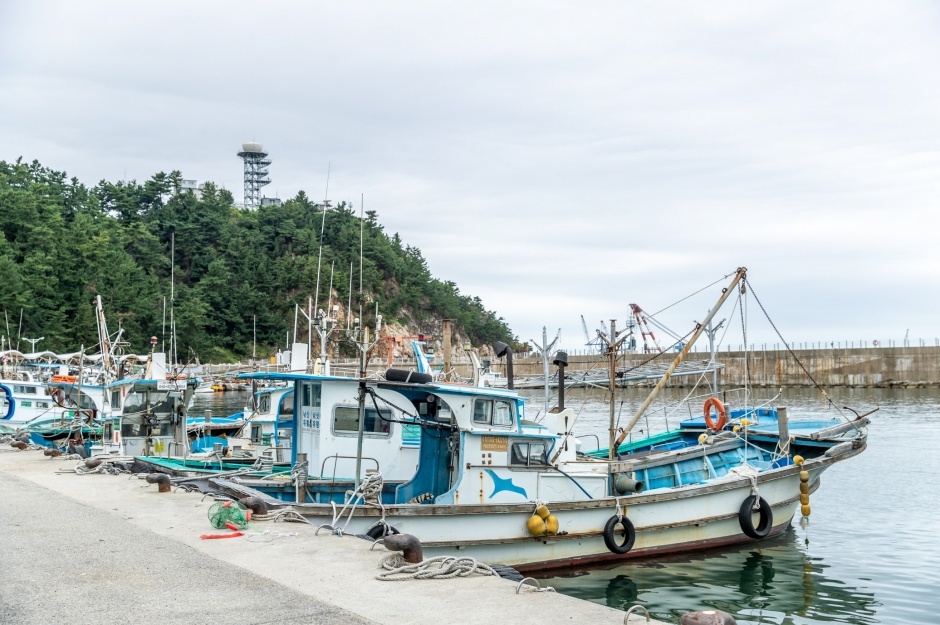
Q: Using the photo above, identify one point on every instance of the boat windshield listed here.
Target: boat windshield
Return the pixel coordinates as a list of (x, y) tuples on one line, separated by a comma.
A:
[(140, 401)]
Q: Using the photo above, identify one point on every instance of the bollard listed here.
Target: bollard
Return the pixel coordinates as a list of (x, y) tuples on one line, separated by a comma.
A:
[(406, 543), (255, 504), (161, 479), (707, 617), (52, 453), (92, 463)]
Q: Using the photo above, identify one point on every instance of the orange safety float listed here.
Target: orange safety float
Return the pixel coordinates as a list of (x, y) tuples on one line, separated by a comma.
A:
[(714, 402)]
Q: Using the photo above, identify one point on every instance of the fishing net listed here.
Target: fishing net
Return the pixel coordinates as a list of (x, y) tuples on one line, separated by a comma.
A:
[(222, 512)]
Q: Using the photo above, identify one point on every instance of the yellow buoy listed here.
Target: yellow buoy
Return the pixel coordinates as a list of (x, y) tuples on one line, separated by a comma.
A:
[(745, 422), (804, 476), (702, 438), (805, 509), (804, 488), (736, 428), (535, 525), (804, 499), (798, 460), (551, 525), (542, 511)]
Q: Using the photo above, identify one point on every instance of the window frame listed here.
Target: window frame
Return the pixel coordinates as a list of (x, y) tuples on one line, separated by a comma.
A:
[(387, 412), (494, 402), (527, 442)]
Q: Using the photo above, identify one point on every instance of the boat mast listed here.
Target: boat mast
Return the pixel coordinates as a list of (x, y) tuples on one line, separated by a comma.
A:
[(613, 346), (725, 293)]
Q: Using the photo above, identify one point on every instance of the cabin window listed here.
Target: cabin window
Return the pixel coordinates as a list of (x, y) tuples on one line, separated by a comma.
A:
[(492, 412), (264, 404), (346, 421), (28, 390), (287, 407), (115, 399), (529, 454), (310, 395)]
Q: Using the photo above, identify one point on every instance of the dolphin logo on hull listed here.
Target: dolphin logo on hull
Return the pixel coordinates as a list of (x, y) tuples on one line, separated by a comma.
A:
[(501, 484)]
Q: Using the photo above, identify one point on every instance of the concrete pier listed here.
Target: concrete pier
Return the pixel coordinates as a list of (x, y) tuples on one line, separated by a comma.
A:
[(99, 548)]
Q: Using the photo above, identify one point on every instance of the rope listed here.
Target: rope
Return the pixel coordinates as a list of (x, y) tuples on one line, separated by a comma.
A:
[(440, 567), (790, 351), (369, 493), (298, 474), (267, 536)]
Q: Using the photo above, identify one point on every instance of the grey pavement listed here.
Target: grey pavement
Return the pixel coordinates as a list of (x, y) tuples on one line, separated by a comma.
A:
[(107, 549), (67, 563)]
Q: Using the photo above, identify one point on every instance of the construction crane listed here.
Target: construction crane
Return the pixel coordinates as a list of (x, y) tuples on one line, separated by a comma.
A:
[(643, 321), (595, 342)]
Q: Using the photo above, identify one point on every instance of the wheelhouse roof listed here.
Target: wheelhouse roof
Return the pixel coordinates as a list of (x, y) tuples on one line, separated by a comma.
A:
[(454, 389)]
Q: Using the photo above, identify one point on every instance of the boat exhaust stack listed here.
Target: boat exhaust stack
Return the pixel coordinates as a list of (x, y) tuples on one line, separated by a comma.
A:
[(561, 361), (501, 349)]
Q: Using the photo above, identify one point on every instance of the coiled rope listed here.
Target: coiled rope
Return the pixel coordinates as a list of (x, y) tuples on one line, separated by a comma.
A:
[(440, 567)]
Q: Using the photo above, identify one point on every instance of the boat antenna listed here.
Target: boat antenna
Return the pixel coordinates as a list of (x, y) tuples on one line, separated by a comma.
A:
[(19, 331), (329, 302), (349, 305), (326, 206), (172, 294), (544, 350), (362, 202)]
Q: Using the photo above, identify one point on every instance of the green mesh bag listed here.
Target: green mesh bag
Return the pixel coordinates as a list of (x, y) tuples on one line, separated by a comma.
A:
[(222, 512)]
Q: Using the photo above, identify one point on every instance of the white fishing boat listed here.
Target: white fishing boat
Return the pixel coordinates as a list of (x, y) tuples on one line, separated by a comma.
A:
[(494, 485)]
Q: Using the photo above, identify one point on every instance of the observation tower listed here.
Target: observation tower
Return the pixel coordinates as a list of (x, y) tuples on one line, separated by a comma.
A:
[(256, 172)]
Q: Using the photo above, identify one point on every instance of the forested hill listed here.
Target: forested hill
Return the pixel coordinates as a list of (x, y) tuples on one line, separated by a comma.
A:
[(63, 243)]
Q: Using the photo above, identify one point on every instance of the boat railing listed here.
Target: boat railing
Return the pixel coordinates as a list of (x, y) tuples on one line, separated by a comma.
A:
[(336, 458), (597, 440)]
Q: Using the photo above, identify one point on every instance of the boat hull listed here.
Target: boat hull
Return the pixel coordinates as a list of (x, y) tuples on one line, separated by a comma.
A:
[(671, 520)]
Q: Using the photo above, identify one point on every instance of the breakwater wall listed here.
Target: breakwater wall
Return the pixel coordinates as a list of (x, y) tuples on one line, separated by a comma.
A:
[(865, 367)]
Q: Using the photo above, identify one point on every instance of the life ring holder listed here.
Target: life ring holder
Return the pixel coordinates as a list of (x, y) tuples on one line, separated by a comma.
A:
[(629, 534), (766, 521), (722, 414)]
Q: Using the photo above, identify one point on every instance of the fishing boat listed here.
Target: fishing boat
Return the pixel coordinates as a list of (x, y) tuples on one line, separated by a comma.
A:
[(269, 424), (492, 484)]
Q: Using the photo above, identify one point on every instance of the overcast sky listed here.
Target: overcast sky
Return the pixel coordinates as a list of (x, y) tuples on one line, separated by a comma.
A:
[(554, 159)]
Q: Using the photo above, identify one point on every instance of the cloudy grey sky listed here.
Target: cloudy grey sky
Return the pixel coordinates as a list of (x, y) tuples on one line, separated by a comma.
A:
[(557, 159)]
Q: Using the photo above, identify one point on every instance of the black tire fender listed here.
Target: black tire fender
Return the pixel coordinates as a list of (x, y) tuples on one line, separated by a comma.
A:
[(629, 534), (381, 530), (766, 517)]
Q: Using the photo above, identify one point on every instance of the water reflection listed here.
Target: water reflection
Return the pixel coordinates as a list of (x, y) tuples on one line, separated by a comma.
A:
[(773, 582)]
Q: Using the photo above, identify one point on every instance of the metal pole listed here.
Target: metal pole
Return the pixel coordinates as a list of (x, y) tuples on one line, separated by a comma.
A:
[(612, 363), (300, 484), (545, 366), (445, 340), (739, 275)]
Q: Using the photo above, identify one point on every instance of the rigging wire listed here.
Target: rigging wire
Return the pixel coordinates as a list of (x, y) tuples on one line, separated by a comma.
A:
[(718, 281), (790, 351)]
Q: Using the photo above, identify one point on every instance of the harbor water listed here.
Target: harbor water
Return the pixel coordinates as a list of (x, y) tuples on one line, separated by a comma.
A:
[(870, 553)]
